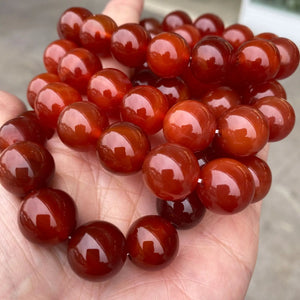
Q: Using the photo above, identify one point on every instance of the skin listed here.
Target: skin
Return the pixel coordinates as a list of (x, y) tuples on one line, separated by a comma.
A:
[(216, 259)]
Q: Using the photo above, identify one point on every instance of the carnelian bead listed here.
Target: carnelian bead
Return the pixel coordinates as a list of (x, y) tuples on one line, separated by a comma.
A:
[(183, 214), (226, 187), (107, 88), (191, 124), (96, 32), (175, 19), (25, 166), (220, 100), (129, 44), (77, 67), (37, 83), (97, 250), (47, 216), (145, 106), (122, 148), (211, 59), (70, 21), (279, 114), (261, 174), (266, 35), (54, 53), (189, 32), (80, 125), (52, 99), (152, 242), (243, 131), (168, 54), (152, 25), (144, 76), (171, 171), (209, 24)]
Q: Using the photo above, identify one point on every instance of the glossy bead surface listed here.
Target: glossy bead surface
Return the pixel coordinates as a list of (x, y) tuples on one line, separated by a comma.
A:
[(211, 58), (97, 250), (227, 186), (152, 242), (151, 24), (25, 166), (129, 44), (243, 131), (171, 171), (107, 88), (146, 107), (189, 32), (54, 53), (80, 125), (77, 67), (168, 54), (279, 114), (95, 33), (52, 99), (266, 35), (122, 148), (190, 124), (47, 216), (209, 24), (175, 19), (183, 214)]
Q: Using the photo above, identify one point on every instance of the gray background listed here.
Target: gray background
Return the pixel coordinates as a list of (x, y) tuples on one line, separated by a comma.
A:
[(27, 27)]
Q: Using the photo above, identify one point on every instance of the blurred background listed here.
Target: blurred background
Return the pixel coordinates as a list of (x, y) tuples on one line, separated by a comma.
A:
[(27, 27)]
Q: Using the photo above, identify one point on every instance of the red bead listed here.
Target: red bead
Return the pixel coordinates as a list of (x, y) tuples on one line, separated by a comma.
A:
[(209, 24), (175, 19), (54, 53), (52, 99), (189, 32), (266, 35), (96, 32), (227, 186), (183, 214), (152, 242), (97, 250), (80, 125), (211, 59), (279, 114), (146, 107), (190, 124), (37, 83), (70, 21), (171, 171), (143, 76), (47, 216), (25, 166), (77, 67), (122, 148), (129, 44), (220, 100), (107, 88), (243, 131), (261, 174), (168, 54), (151, 25)]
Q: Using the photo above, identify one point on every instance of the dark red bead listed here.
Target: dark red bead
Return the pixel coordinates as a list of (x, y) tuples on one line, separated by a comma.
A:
[(97, 250), (47, 216), (266, 35), (143, 76), (152, 242), (151, 24), (175, 19), (189, 32), (25, 166), (209, 24)]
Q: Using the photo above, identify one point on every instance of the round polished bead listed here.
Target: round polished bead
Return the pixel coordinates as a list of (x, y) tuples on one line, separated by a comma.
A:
[(151, 24), (25, 166), (266, 35), (96, 32), (97, 250), (143, 76), (279, 114), (145, 106), (80, 125), (54, 53), (168, 54), (189, 32), (175, 19), (122, 148), (183, 214), (191, 124), (226, 186), (152, 242), (52, 99), (47, 216), (77, 67), (171, 171), (209, 24), (243, 131), (129, 44)]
